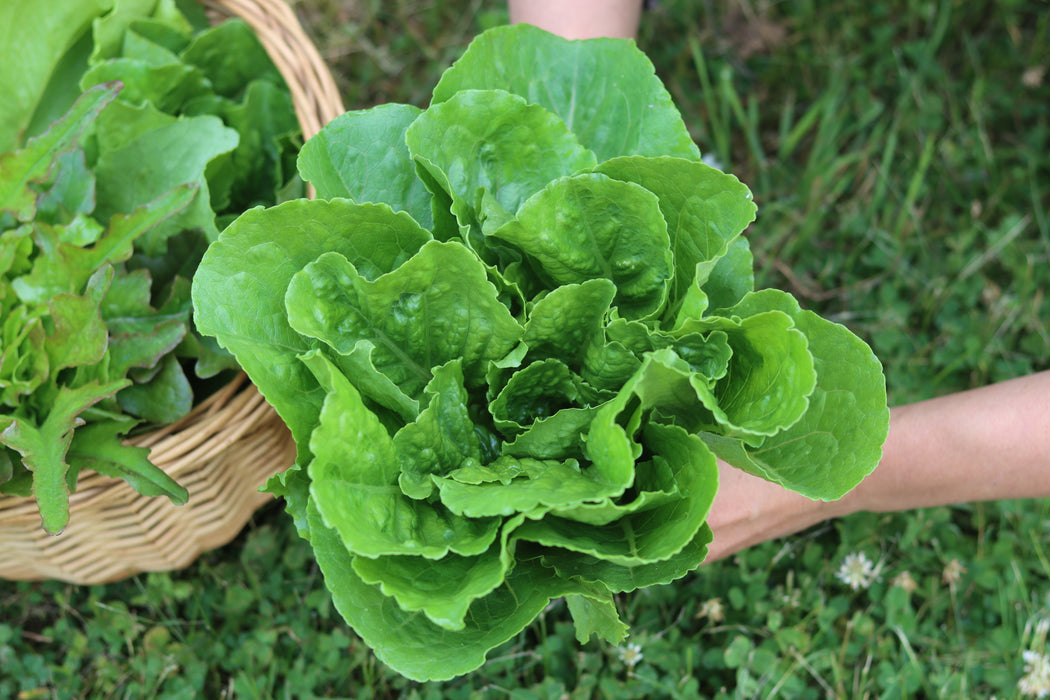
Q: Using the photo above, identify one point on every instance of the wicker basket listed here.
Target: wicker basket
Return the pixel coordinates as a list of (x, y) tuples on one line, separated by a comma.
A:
[(221, 452)]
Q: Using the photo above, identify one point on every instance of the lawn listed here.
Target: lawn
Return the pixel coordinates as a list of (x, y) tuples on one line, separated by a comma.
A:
[(899, 153)]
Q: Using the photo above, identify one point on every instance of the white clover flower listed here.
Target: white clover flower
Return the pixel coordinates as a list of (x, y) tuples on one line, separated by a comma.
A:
[(631, 654), (1032, 77), (953, 571), (1036, 679), (712, 609), (857, 571), (792, 599), (906, 581)]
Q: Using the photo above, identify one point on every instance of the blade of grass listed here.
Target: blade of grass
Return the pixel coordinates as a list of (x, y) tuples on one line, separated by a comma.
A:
[(716, 110), (907, 211)]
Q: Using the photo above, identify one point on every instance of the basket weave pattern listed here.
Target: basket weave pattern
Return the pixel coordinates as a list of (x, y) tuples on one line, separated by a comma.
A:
[(222, 452)]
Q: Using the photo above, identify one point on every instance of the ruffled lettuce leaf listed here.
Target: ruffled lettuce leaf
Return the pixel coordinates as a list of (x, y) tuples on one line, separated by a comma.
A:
[(573, 231), (659, 530), (566, 322), (705, 210), (409, 641), (43, 446), (436, 307), (243, 305), (363, 156), (605, 90), (488, 151), (357, 491), (442, 589), (443, 438), (838, 440)]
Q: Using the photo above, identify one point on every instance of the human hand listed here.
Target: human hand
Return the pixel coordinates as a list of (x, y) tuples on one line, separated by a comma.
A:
[(748, 510)]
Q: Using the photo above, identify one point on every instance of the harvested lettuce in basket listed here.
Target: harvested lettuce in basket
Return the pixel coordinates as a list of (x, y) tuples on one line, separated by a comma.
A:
[(132, 135), (511, 339)]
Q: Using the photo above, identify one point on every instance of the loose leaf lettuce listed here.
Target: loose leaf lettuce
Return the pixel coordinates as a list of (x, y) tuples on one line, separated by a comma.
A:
[(830, 449), (43, 447), (705, 210), (128, 134), (27, 69), (510, 340), (33, 163)]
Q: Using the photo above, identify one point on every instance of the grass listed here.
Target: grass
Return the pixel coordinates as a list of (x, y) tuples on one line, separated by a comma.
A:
[(898, 152)]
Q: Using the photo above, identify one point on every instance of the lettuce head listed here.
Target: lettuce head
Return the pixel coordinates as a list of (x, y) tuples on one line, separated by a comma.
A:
[(512, 337)]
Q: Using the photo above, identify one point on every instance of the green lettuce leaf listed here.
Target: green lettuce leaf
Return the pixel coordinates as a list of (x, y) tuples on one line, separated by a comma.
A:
[(442, 589), (43, 447), (418, 648), (572, 231), (564, 323), (838, 441), (605, 90), (363, 156), (596, 616), (442, 438), (24, 362), (522, 148), (436, 307), (231, 58), (26, 73), (558, 437), (68, 267), (139, 335), (70, 198), (616, 578), (98, 446), (354, 484), (705, 210), (33, 163), (767, 383), (158, 161), (512, 485), (535, 392), (731, 278), (165, 86), (263, 119), (163, 397), (109, 29), (244, 306), (644, 535), (104, 214)]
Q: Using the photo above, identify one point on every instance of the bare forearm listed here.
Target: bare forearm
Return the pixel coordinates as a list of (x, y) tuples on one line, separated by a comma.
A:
[(579, 19), (986, 444), (991, 443)]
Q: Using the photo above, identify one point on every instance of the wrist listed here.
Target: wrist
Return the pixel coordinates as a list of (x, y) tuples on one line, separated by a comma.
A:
[(580, 19)]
